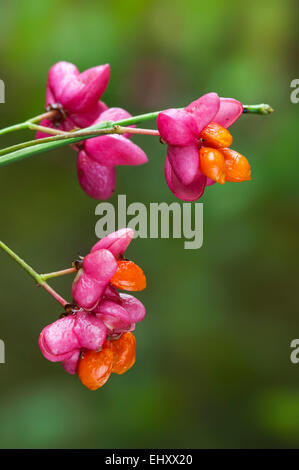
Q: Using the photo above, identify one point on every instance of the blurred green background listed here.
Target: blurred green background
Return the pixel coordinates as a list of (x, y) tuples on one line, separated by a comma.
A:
[(213, 366)]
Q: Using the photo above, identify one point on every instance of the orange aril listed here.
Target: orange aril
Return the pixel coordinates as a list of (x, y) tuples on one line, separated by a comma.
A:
[(124, 353), (95, 367), (237, 166), (212, 164), (216, 136), (128, 276)]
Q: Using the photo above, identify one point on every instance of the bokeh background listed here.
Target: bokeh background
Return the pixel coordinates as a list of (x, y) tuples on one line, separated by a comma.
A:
[(213, 361)]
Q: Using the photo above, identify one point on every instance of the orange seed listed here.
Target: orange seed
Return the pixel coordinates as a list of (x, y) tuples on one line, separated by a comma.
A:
[(216, 136), (237, 166), (212, 164), (124, 353), (128, 276), (95, 367)]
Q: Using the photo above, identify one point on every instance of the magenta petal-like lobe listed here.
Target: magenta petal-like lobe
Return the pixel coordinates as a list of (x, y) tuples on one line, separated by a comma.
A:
[(113, 315), (134, 308), (87, 291), (184, 162), (91, 282), (190, 192), (74, 91), (95, 82), (78, 94), (111, 293), (98, 181), (114, 150), (230, 110), (90, 330), (116, 242), (100, 264), (204, 109), (177, 127), (86, 118), (60, 75), (70, 365), (58, 341)]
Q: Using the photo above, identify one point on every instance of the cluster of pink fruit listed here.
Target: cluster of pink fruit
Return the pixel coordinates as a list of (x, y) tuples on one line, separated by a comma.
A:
[(93, 338), (76, 98), (198, 153)]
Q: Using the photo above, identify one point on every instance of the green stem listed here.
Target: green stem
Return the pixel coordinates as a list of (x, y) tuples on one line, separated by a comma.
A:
[(34, 147), (116, 129), (254, 109), (48, 130), (257, 109), (16, 127), (28, 149), (26, 124), (21, 262), (37, 277), (138, 119), (63, 272), (47, 115)]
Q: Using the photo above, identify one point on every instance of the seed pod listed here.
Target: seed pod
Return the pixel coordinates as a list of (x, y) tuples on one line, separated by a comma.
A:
[(124, 353), (237, 166), (212, 164), (216, 136), (94, 368), (128, 276)]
